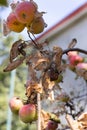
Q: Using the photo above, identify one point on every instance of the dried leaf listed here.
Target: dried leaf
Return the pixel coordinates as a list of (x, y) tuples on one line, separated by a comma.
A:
[(14, 52), (6, 30), (83, 120), (47, 84), (14, 4), (41, 64), (72, 43), (45, 116), (14, 64), (74, 125), (37, 87), (57, 55), (83, 117), (33, 87)]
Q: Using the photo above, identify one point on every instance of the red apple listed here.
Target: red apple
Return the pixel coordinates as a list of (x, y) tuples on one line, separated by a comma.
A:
[(13, 24), (28, 113), (15, 104), (25, 11), (74, 58), (37, 26), (52, 125)]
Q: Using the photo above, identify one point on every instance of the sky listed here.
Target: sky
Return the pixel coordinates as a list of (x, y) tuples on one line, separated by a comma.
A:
[(55, 10)]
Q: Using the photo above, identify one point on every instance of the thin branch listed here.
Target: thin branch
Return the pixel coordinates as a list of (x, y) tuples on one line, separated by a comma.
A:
[(74, 49), (33, 40), (78, 97), (38, 112)]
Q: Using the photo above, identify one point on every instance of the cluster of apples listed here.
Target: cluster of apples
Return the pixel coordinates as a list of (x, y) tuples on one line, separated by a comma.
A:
[(27, 112), (25, 14), (76, 61)]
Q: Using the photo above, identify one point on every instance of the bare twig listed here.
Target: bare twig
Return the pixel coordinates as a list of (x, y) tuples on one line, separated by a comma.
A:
[(74, 49), (33, 40)]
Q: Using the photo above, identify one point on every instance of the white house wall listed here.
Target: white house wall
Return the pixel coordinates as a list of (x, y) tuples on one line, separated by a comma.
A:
[(77, 30)]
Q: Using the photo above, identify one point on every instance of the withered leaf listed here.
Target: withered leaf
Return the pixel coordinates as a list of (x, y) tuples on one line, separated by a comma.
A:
[(33, 87), (47, 84), (6, 30), (82, 119), (14, 52), (14, 64), (41, 63), (45, 116), (58, 55), (72, 43)]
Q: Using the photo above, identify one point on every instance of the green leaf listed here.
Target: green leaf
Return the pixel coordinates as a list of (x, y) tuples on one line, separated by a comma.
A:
[(3, 2)]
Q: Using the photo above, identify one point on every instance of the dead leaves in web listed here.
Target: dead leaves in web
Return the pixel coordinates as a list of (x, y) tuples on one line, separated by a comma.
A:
[(47, 84), (37, 61), (32, 88), (41, 63)]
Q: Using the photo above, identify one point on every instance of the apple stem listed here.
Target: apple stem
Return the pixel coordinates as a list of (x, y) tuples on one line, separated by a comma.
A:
[(36, 45), (38, 112)]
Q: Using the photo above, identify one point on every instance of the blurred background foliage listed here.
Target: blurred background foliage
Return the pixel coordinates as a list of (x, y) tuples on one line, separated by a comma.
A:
[(5, 77)]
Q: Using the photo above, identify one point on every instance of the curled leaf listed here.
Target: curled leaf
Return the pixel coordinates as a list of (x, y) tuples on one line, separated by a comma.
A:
[(44, 119), (72, 43), (16, 49), (57, 55), (41, 63), (14, 64), (33, 87), (83, 120), (6, 30)]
